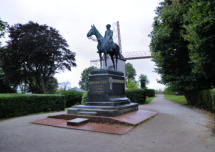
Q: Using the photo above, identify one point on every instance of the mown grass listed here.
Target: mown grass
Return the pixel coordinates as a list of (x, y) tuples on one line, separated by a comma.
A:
[(148, 100), (176, 98)]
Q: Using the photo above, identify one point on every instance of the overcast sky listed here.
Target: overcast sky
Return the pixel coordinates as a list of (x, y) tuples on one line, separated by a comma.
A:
[(73, 19)]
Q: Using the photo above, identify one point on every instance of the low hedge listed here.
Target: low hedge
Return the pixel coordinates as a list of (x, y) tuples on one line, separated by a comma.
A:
[(136, 95), (72, 97), (12, 105), (150, 92)]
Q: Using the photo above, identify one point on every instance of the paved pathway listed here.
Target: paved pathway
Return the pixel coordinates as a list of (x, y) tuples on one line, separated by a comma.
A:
[(175, 129)]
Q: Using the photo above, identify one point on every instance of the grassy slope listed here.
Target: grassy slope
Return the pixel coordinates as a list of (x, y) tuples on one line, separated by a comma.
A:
[(176, 98)]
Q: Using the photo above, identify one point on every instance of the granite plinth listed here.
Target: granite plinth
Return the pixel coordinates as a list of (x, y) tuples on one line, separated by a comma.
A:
[(106, 95), (108, 111)]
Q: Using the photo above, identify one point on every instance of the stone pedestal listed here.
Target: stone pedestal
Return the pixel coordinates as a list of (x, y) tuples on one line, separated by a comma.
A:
[(106, 96), (120, 65)]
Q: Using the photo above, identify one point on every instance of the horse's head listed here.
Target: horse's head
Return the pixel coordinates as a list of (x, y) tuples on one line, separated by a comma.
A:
[(92, 31)]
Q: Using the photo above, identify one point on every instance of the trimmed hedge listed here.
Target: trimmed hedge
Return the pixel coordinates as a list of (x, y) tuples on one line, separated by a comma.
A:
[(150, 92), (136, 95), (12, 105), (72, 97)]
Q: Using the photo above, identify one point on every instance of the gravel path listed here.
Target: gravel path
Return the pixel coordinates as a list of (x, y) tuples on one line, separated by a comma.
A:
[(175, 129)]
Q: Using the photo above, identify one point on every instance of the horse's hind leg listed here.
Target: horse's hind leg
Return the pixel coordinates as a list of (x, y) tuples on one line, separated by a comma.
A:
[(113, 61)]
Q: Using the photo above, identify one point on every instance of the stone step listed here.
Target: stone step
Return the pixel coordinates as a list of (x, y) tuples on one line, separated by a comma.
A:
[(91, 113)]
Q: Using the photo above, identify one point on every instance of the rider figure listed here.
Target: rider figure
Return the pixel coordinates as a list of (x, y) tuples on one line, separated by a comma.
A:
[(108, 38)]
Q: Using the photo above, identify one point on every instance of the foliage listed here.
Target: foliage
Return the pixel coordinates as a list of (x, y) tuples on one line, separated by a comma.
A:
[(52, 85), (3, 26), (4, 87), (177, 99), (199, 23), (84, 98), (201, 99), (33, 55), (169, 49), (178, 50), (136, 95), (132, 84), (143, 81), (72, 97), (168, 90), (148, 100), (150, 92), (130, 72), (12, 105), (83, 83)]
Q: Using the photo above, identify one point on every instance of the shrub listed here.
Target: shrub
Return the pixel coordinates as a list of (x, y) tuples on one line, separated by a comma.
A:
[(17, 105), (204, 100), (136, 95), (72, 97), (150, 92), (168, 91), (84, 97), (132, 84)]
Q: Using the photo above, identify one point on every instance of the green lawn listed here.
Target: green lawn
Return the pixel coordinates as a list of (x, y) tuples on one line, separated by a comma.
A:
[(149, 99), (176, 98), (212, 91)]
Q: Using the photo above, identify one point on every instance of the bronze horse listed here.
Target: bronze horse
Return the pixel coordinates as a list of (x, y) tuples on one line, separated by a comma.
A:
[(114, 52)]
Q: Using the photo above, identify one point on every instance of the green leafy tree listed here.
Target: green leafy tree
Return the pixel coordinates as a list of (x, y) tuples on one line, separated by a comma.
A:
[(130, 71), (52, 85), (131, 84), (83, 83), (3, 26), (199, 23), (170, 50), (143, 81), (4, 86), (34, 54)]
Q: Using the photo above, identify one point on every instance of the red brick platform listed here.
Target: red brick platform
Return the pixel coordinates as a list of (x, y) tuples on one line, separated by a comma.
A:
[(113, 125)]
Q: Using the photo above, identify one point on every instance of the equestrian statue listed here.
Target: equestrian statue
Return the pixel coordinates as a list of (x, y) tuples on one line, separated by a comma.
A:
[(106, 45)]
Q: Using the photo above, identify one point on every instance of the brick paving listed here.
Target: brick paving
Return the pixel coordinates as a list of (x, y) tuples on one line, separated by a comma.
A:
[(114, 125)]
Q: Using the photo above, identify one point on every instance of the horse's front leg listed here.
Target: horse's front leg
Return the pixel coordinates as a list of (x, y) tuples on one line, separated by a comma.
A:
[(116, 60), (105, 57), (100, 56)]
